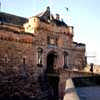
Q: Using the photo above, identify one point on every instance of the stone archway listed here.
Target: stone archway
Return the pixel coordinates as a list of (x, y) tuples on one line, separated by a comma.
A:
[(51, 58), (52, 76)]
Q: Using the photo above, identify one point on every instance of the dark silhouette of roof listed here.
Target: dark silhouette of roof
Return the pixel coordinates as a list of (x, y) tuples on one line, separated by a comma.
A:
[(59, 23), (12, 19), (79, 44), (47, 17)]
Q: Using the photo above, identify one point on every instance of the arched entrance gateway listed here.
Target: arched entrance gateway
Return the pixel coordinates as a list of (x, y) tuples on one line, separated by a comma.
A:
[(52, 76)]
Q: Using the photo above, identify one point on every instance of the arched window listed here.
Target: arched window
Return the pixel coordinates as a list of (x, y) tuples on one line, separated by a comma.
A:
[(65, 60), (40, 50)]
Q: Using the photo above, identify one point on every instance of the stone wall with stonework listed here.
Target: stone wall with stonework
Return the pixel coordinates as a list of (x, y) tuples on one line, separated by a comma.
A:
[(63, 38), (76, 56), (16, 44), (18, 70), (19, 73)]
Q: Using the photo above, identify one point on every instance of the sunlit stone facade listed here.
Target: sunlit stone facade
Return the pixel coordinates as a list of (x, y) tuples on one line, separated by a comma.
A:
[(56, 35), (31, 47)]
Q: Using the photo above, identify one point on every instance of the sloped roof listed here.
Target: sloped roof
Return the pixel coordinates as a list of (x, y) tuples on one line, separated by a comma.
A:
[(12, 19), (79, 44), (46, 16), (59, 23), (40, 14)]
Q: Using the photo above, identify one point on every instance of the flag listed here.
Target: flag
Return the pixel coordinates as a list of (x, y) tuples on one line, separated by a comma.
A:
[(67, 9)]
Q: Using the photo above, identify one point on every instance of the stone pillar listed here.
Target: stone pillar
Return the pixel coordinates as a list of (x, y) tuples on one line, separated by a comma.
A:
[(61, 60), (62, 82)]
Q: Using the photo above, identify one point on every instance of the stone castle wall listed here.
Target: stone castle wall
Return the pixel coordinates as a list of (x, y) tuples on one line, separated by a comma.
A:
[(17, 45), (18, 59), (18, 71)]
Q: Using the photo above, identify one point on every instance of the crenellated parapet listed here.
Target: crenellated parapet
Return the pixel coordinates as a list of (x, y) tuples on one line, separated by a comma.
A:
[(32, 25)]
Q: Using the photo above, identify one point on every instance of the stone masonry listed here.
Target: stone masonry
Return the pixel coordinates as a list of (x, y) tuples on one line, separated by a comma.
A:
[(25, 52)]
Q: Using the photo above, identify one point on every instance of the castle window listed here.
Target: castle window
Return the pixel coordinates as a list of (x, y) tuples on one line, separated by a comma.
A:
[(6, 59), (52, 41), (29, 26), (40, 50), (34, 19), (48, 40), (66, 60)]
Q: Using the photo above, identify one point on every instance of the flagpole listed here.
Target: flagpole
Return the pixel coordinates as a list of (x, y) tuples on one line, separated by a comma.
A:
[(69, 19), (0, 6), (67, 14)]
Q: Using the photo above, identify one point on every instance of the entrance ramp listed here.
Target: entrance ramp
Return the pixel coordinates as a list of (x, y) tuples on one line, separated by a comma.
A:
[(70, 92)]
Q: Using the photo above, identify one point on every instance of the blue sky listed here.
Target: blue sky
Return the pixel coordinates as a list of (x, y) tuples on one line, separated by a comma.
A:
[(83, 15)]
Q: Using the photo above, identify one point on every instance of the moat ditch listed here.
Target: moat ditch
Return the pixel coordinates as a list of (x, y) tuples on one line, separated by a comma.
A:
[(87, 88)]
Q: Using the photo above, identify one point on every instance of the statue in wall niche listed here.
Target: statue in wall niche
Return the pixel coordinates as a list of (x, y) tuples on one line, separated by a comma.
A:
[(23, 69), (91, 67)]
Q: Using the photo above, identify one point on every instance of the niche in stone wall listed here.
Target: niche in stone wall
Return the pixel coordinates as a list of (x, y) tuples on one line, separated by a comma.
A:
[(52, 40), (60, 42)]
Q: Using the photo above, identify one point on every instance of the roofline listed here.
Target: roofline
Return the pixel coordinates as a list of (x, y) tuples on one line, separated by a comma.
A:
[(13, 15), (82, 44)]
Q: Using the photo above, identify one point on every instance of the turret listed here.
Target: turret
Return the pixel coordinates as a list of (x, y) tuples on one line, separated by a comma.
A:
[(32, 25)]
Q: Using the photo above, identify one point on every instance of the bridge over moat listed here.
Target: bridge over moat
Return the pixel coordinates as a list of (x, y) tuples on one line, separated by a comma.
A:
[(65, 74)]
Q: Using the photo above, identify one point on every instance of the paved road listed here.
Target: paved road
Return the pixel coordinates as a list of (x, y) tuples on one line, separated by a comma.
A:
[(89, 93)]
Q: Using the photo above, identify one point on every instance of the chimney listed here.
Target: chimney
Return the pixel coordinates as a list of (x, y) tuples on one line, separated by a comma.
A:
[(47, 13), (57, 16)]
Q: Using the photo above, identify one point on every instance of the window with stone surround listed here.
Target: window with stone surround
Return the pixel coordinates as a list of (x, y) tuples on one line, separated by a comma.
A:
[(52, 41), (66, 60), (39, 50)]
